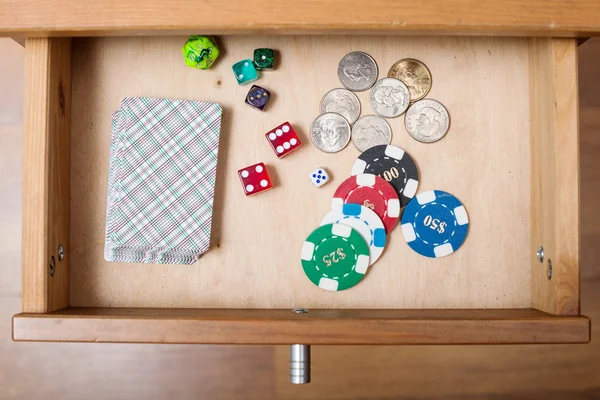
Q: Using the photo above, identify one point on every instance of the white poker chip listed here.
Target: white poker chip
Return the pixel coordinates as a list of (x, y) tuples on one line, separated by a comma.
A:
[(363, 220)]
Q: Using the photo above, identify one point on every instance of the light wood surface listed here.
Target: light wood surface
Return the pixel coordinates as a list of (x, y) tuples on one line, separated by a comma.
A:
[(484, 161), (91, 17), (46, 173), (128, 371), (555, 175), (315, 327)]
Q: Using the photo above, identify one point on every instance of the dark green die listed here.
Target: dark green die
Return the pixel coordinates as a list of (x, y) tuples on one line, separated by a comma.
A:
[(264, 59)]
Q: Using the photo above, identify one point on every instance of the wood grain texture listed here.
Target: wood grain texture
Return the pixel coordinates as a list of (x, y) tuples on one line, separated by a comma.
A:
[(456, 372), (46, 163), (317, 327), (555, 175), (88, 17), (101, 371), (590, 195), (483, 160), (132, 371), (589, 148)]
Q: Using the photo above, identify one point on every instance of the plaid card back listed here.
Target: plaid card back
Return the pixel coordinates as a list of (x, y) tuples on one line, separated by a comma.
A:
[(162, 171)]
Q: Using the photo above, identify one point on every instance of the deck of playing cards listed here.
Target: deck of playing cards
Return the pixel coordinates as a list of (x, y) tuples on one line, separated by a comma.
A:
[(161, 180)]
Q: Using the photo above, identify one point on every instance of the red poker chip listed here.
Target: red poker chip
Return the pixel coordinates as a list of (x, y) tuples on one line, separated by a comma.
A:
[(372, 192)]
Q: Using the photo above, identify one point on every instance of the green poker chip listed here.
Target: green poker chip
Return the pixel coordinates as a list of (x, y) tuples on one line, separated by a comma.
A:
[(335, 257)]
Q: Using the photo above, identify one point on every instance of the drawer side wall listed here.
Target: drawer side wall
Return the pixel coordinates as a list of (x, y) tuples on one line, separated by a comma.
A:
[(554, 175), (46, 165)]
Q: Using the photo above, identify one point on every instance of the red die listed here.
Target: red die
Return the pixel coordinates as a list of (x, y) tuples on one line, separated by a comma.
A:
[(283, 139), (255, 179)]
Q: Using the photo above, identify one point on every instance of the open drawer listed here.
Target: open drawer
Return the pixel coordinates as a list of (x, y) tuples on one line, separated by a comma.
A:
[(511, 156)]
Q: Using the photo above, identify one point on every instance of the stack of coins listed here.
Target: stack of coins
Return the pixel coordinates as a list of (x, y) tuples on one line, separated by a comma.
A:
[(426, 120), (403, 91), (384, 181)]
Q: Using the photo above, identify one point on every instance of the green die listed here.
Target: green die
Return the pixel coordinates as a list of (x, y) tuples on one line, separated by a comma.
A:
[(244, 72), (264, 59), (200, 52)]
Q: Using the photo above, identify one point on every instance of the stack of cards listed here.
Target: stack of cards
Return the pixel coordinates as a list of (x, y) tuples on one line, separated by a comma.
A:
[(161, 180)]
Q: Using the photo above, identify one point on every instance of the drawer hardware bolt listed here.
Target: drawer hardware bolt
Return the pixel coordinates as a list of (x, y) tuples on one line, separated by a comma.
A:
[(52, 266), (549, 269), (61, 252), (540, 254), (299, 358), (299, 364)]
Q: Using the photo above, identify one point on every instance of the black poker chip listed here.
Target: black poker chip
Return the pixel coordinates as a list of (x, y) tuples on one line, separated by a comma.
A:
[(392, 164)]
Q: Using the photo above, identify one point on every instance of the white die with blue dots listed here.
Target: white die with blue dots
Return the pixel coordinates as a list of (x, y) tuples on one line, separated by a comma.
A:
[(319, 177)]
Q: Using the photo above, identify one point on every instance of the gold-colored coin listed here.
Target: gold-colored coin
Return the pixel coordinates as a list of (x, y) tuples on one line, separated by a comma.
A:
[(415, 75)]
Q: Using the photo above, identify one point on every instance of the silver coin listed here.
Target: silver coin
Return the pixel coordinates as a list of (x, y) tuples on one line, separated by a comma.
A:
[(343, 102), (389, 97), (330, 132), (369, 131), (427, 120), (357, 71)]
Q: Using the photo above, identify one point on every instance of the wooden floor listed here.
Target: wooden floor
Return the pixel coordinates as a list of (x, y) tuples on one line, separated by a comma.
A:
[(102, 371)]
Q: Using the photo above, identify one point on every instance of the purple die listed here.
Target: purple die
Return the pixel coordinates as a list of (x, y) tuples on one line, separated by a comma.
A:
[(258, 97)]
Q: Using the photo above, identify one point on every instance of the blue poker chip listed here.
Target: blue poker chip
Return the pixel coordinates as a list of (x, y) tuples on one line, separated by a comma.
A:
[(435, 224)]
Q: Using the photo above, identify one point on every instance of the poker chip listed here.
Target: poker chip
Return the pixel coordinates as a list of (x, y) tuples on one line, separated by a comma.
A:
[(335, 257), (372, 192), (363, 220), (435, 224), (392, 164)]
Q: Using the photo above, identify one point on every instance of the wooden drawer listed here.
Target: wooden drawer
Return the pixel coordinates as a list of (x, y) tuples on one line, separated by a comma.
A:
[(511, 156)]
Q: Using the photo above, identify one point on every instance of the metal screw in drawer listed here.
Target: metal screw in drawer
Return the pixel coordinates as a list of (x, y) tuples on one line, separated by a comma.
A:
[(540, 254), (61, 252), (52, 262), (299, 359)]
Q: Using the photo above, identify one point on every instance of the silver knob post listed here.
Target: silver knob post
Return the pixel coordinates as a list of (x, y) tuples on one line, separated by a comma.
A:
[(299, 364)]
